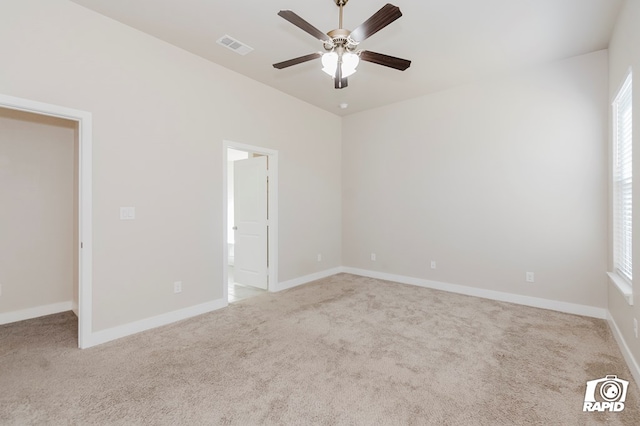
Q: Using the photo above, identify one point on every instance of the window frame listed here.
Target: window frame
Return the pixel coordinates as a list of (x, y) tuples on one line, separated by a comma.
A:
[(622, 188)]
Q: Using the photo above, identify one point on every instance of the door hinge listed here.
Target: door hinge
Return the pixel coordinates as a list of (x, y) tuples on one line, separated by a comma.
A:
[(81, 245)]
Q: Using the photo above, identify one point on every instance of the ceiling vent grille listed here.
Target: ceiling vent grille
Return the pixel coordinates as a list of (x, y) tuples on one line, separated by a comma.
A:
[(233, 44)]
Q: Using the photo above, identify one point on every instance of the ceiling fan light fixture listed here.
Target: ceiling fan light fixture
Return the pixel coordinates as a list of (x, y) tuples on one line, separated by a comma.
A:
[(330, 63), (340, 44), (350, 62)]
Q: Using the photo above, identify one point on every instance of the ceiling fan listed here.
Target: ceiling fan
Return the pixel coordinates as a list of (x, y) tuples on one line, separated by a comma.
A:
[(341, 56)]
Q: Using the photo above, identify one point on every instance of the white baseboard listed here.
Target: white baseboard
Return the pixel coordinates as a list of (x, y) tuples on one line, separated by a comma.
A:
[(114, 333), (305, 279), (170, 317), (38, 311), (536, 302), (624, 348)]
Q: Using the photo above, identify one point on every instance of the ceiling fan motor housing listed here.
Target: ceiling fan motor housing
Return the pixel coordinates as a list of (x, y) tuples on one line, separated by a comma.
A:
[(340, 37)]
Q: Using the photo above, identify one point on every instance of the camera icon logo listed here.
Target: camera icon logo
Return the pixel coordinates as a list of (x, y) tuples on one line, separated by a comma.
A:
[(605, 394)]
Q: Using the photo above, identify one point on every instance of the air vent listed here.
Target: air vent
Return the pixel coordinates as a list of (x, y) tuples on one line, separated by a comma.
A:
[(235, 45)]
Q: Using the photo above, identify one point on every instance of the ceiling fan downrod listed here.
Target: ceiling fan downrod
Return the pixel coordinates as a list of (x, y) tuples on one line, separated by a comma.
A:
[(340, 36), (341, 4)]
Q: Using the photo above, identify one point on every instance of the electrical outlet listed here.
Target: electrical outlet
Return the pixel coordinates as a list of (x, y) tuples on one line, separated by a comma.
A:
[(319, 257), (530, 277), (635, 327), (177, 287), (433, 264), (373, 257)]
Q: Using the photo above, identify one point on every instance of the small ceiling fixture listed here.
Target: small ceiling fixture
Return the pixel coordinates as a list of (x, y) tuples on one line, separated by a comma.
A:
[(341, 58)]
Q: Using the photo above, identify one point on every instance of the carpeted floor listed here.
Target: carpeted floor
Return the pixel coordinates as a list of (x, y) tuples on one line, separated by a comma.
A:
[(343, 350)]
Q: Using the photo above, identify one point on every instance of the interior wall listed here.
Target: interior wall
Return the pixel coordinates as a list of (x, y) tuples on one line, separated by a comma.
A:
[(490, 181), (624, 54), (37, 214), (160, 116)]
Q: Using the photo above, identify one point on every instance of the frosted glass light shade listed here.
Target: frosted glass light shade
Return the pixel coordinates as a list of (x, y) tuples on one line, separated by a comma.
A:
[(330, 63), (349, 63)]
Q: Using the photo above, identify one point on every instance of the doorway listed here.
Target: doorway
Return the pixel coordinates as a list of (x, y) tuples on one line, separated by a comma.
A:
[(250, 220), (81, 211)]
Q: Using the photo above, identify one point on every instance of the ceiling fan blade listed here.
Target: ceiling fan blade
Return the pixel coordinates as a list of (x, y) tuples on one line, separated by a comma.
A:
[(296, 61), (386, 60), (303, 25), (378, 21)]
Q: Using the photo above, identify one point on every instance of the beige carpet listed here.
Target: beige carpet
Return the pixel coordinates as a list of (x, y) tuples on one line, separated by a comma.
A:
[(343, 350)]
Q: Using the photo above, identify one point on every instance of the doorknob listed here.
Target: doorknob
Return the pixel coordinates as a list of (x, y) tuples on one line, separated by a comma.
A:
[(235, 228)]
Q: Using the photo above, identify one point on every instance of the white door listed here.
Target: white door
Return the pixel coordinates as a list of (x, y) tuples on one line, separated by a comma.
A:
[(250, 221)]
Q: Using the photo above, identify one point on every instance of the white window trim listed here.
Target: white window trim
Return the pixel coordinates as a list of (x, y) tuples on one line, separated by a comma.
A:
[(623, 286), (620, 282)]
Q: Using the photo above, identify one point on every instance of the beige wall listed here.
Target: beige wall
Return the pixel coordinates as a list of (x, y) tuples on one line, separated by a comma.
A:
[(490, 180), (160, 116), (623, 54), (36, 210)]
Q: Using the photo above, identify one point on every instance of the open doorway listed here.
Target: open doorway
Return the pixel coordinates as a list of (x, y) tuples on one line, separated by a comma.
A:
[(38, 248), (250, 207), (38, 217)]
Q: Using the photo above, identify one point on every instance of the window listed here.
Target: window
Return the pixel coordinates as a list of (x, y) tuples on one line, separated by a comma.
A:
[(622, 183)]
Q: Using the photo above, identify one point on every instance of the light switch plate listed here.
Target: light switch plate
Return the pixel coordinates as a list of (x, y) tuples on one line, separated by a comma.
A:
[(127, 213)]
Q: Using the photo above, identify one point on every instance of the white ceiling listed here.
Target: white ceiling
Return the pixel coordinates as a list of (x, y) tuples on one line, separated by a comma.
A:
[(450, 42)]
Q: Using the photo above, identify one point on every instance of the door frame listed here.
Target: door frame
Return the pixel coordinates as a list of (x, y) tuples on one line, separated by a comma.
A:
[(272, 203), (85, 256)]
